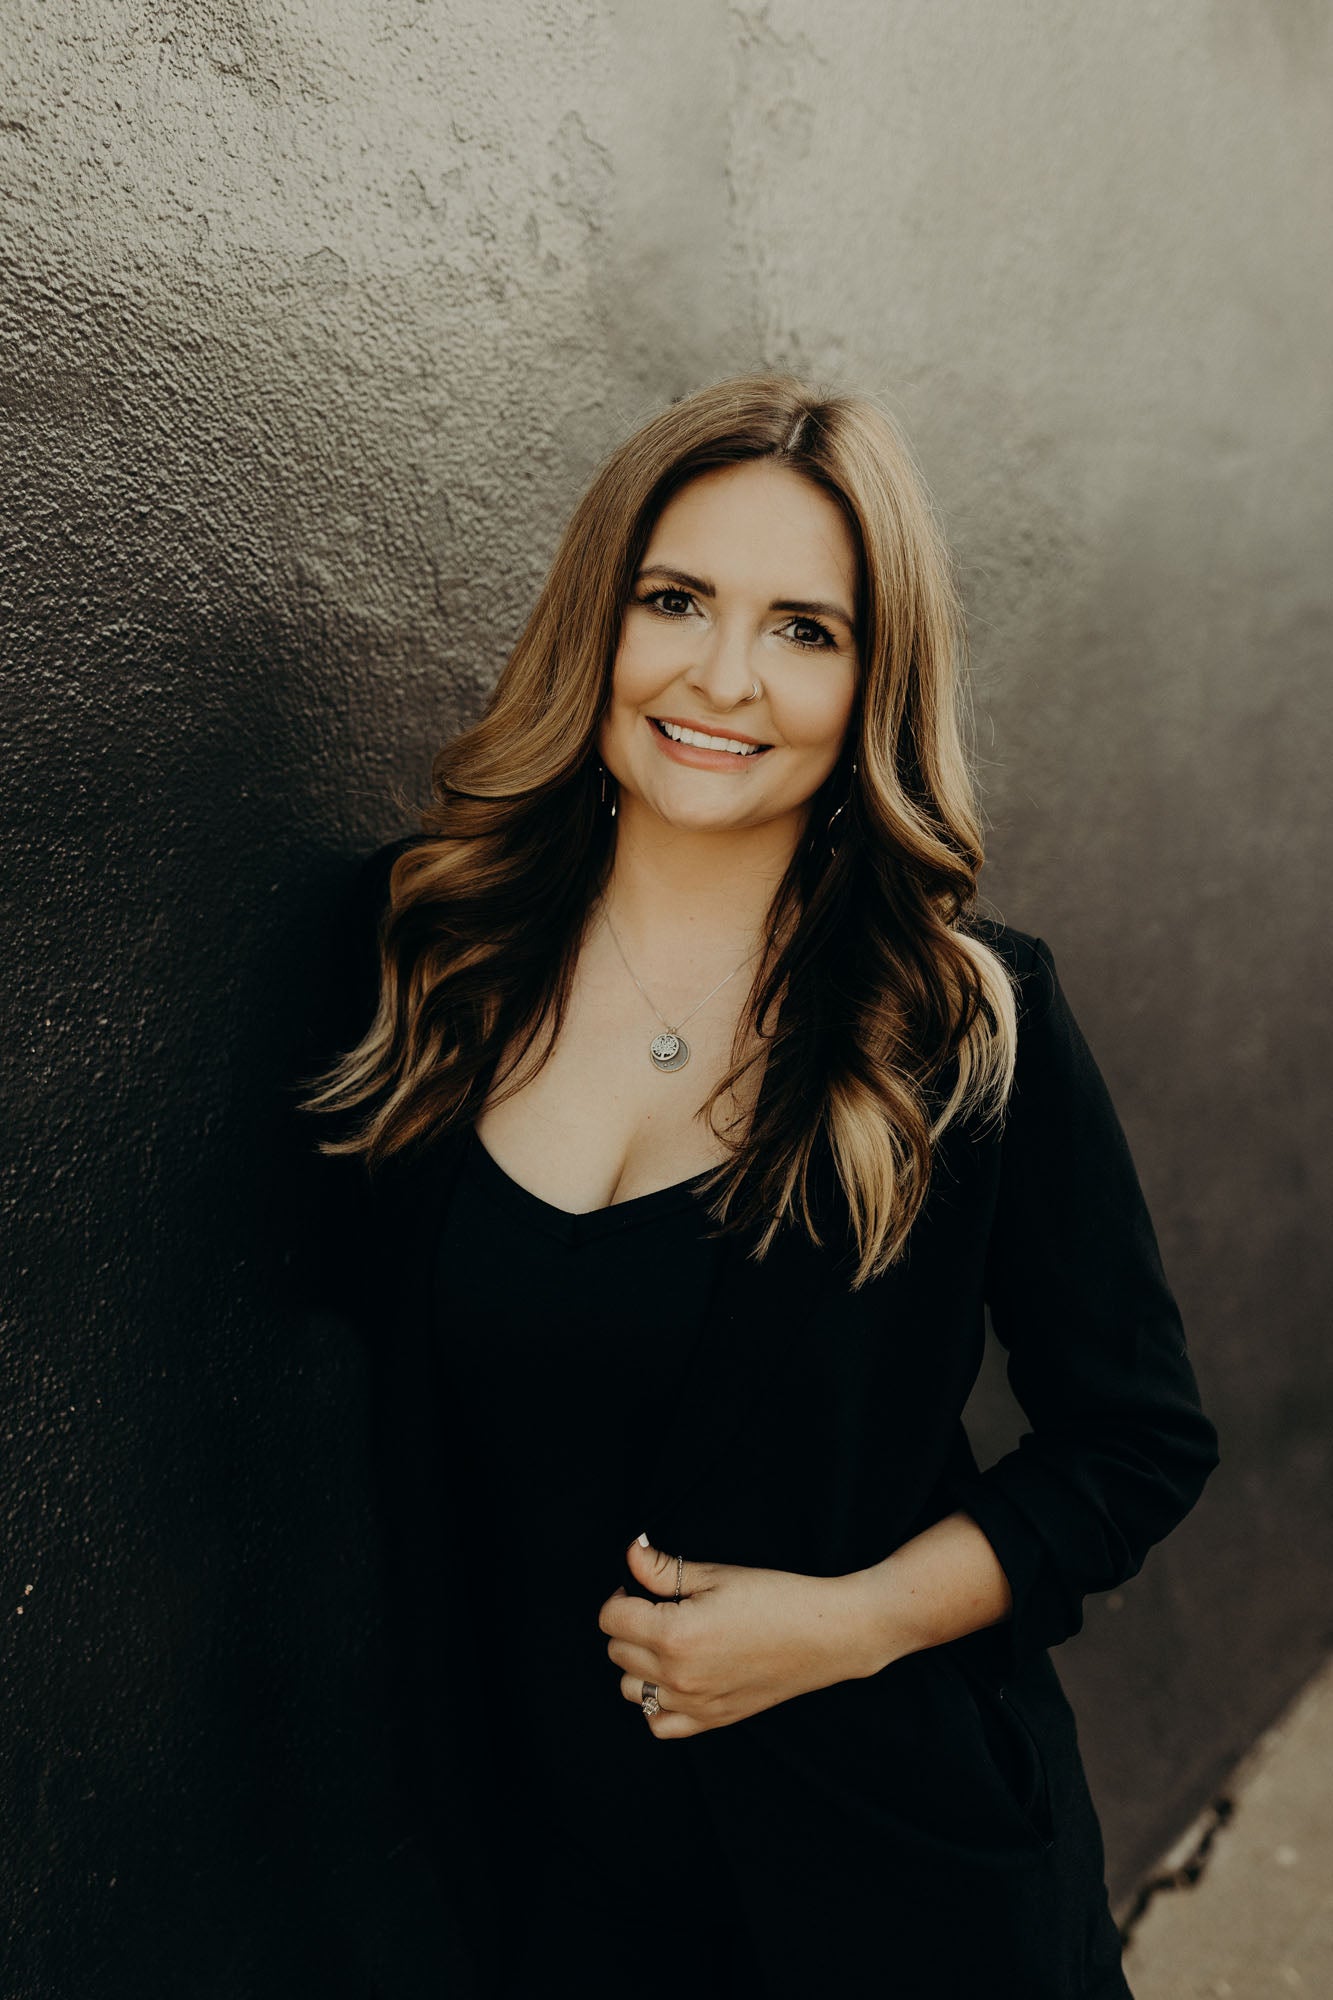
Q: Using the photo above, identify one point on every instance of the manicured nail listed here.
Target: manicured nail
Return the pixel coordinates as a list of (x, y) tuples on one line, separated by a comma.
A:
[(643, 1541)]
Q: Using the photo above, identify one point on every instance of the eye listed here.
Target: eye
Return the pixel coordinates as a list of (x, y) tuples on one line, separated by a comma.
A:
[(668, 601), (810, 633)]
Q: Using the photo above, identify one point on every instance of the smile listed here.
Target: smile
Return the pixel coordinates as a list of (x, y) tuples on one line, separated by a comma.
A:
[(733, 746)]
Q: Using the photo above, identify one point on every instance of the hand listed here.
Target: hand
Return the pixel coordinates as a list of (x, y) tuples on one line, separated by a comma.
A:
[(739, 1641)]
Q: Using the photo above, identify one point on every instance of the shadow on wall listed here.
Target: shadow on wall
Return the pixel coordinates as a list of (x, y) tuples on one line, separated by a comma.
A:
[(192, 1693)]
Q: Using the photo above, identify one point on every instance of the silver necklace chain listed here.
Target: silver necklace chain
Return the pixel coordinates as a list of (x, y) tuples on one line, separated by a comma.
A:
[(669, 1050)]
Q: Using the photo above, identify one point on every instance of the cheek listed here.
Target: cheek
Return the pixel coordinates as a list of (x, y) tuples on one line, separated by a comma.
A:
[(815, 712), (635, 673)]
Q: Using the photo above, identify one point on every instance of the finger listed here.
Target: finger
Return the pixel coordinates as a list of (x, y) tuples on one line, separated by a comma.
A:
[(632, 1688), (632, 1618), (675, 1723), (668, 1722), (661, 1572), (631, 1659)]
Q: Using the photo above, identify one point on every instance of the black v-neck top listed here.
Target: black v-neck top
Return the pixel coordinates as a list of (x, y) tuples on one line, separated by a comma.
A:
[(560, 1337)]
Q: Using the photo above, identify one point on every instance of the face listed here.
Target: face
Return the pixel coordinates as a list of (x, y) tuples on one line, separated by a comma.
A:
[(749, 578)]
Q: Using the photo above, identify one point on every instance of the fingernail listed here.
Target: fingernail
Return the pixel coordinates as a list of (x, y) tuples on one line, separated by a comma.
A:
[(643, 1541)]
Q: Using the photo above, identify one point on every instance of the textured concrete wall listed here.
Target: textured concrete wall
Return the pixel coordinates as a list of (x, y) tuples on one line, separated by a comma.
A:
[(314, 319)]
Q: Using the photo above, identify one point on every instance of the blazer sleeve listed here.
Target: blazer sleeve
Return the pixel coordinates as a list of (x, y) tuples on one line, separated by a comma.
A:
[(398, 1892), (1119, 1449), (327, 1198)]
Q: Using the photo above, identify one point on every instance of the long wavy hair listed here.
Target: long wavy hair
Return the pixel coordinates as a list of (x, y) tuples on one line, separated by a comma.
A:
[(878, 1015)]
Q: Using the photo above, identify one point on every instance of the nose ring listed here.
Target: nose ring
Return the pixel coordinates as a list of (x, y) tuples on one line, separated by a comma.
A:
[(754, 696)]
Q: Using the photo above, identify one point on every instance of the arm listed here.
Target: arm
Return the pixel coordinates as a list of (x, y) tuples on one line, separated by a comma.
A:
[(1119, 1449), (742, 1640), (941, 1585)]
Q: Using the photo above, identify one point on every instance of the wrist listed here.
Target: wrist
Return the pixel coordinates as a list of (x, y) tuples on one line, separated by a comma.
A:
[(869, 1636), (942, 1584)]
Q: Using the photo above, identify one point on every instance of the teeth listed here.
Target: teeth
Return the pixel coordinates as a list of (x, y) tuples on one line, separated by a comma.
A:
[(702, 742)]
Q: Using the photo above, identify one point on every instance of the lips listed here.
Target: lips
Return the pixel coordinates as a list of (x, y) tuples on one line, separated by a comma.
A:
[(717, 742)]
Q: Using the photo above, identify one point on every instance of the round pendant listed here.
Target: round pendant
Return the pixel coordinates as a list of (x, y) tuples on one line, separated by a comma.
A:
[(669, 1051)]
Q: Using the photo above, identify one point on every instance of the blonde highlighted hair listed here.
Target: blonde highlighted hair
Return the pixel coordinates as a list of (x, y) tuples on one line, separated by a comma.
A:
[(880, 1017)]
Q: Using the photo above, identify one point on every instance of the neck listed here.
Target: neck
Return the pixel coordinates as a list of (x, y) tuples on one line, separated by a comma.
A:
[(680, 890)]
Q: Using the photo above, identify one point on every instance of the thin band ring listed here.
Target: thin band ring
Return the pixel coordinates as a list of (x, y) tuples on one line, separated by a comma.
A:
[(680, 1571)]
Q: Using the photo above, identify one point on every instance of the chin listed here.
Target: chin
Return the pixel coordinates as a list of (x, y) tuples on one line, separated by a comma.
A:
[(699, 819)]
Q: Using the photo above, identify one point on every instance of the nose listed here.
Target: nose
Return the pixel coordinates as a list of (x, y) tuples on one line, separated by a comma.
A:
[(723, 669)]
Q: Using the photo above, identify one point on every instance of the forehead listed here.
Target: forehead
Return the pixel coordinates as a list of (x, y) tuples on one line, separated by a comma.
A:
[(758, 519)]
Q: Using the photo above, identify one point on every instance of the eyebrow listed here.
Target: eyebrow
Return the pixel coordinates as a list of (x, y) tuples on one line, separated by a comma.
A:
[(804, 607)]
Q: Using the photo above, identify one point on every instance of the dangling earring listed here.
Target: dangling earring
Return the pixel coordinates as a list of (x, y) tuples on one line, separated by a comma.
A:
[(602, 768), (837, 813)]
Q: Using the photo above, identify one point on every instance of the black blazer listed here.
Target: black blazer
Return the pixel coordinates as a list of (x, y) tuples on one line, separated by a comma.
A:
[(932, 1822)]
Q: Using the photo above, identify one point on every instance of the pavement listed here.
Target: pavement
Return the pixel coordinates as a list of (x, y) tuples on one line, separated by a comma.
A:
[(1245, 1906)]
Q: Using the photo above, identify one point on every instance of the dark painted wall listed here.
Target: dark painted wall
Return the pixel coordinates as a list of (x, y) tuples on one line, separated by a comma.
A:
[(314, 320)]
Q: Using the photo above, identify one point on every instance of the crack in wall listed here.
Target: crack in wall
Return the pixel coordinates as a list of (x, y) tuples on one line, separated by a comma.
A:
[(1186, 1873)]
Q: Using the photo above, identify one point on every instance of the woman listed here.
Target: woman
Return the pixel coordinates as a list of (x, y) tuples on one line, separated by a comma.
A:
[(699, 1121)]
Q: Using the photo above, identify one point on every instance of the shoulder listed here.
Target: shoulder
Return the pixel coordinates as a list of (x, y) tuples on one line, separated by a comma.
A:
[(1054, 1064), (1027, 959)]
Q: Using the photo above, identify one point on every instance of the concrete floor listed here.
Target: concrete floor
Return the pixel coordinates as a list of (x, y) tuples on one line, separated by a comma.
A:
[(1257, 1923)]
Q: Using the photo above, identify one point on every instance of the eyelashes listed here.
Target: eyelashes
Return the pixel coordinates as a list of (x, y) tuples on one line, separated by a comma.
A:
[(824, 641)]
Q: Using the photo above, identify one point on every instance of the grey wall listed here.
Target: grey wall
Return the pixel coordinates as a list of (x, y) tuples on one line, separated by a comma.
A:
[(315, 317)]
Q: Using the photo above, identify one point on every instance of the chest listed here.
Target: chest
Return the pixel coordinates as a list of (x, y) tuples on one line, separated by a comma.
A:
[(599, 1123), (800, 1423)]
